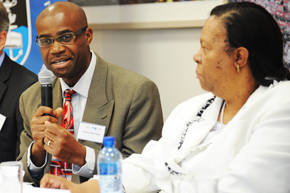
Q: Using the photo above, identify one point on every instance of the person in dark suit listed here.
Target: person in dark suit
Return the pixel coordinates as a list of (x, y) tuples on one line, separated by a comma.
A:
[(125, 103), (14, 79)]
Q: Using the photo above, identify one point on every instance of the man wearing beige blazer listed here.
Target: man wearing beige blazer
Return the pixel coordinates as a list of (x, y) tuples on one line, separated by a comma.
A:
[(124, 103)]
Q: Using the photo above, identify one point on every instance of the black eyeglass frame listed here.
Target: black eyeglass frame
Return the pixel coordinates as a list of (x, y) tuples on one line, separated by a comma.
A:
[(75, 34)]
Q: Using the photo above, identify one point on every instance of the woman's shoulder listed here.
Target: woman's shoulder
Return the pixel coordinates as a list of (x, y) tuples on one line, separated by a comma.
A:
[(271, 97), (192, 105), (277, 89)]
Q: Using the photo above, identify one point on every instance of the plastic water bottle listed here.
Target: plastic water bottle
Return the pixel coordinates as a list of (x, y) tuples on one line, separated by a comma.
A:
[(110, 167)]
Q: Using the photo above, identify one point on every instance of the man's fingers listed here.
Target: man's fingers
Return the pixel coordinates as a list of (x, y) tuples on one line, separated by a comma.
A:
[(43, 110), (58, 112), (52, 127)]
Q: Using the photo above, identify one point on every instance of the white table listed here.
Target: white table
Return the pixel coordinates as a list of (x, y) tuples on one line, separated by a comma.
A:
[(27, 188)]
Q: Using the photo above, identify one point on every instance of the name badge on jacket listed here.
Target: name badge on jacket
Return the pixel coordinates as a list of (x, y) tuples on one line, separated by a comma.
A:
[(91, 132), (2, 120)]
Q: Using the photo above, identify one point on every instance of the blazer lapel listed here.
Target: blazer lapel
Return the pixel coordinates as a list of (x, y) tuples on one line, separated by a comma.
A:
[(3, 88), (98, 109), (5, 71)]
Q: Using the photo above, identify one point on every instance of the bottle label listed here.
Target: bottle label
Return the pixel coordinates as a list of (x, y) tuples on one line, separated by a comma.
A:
[(108, 169)]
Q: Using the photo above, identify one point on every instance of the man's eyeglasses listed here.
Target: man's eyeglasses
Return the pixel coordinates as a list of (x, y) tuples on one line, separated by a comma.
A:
[(65, 38)]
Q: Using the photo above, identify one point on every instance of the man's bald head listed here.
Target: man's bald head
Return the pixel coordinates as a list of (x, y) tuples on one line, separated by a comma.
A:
[(67, 9)]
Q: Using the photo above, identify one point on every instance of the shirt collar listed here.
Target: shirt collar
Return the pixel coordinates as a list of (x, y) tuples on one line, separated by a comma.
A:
[(82, 86), (2, 58)]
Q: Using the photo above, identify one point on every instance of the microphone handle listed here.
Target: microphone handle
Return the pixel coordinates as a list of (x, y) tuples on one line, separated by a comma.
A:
[(46, 98), (46, 95)]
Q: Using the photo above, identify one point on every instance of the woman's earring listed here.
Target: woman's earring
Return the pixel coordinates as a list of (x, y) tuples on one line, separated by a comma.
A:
[(238, 68)]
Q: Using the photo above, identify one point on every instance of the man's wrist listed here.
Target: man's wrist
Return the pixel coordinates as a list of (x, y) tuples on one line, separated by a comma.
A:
[(37, 156), (81, 157)]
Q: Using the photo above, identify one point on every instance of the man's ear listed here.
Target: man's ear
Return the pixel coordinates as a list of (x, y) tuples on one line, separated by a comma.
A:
[(242, 55), (89, 35), (3, 37)]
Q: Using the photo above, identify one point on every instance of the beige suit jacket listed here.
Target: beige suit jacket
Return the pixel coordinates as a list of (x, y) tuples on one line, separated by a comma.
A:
[(127, 103)]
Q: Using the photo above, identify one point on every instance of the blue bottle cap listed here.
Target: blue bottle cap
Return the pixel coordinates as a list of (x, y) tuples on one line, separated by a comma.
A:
[(109, 141)]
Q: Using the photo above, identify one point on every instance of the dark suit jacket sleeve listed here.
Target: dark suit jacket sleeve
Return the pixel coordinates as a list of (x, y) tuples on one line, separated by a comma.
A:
[(144, 121)]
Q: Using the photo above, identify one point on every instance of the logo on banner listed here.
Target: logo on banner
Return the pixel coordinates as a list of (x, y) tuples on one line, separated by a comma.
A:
[(18, 43)]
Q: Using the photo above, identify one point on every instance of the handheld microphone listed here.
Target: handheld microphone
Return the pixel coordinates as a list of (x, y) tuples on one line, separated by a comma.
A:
[(45, 78)]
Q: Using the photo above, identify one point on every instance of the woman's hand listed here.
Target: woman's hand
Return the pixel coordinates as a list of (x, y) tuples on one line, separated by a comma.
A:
[(58, 182), (51, 181)]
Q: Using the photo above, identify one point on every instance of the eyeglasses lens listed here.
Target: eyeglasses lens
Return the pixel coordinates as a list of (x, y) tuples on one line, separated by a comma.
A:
[(64, 39)]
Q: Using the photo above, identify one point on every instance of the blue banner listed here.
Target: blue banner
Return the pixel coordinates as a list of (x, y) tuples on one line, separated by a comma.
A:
[(20, 45)]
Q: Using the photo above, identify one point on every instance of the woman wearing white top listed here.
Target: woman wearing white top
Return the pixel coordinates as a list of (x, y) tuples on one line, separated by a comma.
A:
[(239, 132)]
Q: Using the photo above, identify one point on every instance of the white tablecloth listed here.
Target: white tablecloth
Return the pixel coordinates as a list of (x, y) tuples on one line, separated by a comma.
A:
[(27, 188)]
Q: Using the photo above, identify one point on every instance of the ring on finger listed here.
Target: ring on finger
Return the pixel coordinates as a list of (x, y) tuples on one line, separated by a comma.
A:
[(48, 143)]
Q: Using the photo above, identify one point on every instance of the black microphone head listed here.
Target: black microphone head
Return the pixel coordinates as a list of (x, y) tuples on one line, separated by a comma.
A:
[(45, 77)]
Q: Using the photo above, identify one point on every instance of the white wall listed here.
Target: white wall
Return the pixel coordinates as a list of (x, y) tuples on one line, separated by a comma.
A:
[(163, 55)]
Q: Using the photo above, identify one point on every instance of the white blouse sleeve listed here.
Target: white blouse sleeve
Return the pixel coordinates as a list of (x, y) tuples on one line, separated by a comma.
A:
[(139, 171)]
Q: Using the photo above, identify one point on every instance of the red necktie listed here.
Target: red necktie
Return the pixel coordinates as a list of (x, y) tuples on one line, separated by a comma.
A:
[(57, 167), (67, 113)]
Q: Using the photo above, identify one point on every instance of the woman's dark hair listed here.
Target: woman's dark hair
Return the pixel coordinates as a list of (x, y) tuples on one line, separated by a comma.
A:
[(251, 26)]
